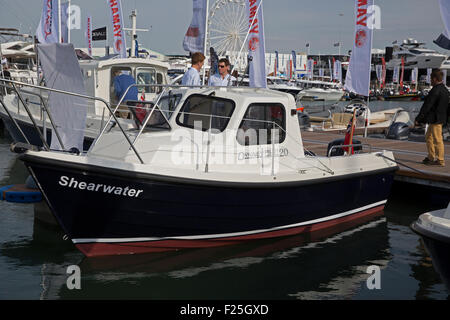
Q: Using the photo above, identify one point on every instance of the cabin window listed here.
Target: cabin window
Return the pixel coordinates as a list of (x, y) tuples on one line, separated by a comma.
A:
[(202, 112), (146, 76), (263, 123)]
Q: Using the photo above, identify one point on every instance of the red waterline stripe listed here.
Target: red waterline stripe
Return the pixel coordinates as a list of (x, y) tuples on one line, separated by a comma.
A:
[(106, 249)]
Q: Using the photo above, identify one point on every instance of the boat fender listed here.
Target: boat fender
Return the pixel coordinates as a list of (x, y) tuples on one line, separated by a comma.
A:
[(19, 193)]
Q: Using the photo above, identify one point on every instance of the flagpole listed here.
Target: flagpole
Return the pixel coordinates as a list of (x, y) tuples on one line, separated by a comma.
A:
[(366, 122), (246, 36), (69, 22), (59, 22), (205, 40)]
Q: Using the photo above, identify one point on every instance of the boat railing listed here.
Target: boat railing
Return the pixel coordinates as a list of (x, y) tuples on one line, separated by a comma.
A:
[(44, 110), (11, 84)]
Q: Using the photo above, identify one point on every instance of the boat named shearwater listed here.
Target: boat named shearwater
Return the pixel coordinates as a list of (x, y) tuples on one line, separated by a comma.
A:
[(207, 167)]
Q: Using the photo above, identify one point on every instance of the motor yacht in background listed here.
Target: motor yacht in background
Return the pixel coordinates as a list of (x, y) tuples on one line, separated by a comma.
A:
[(415, 55), (18, 55), (283, 85), (316, 90)]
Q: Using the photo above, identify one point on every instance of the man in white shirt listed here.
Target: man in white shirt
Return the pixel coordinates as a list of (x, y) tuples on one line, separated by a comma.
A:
[(192, 76), (223, 78)]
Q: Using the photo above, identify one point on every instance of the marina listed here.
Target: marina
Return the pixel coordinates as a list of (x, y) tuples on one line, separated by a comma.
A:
[(234, 165)]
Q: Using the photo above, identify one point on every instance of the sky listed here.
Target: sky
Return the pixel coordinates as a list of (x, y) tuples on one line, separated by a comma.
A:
[(288, 24)]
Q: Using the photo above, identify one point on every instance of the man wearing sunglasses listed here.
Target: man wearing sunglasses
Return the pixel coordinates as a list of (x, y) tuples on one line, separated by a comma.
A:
[(223, 78)]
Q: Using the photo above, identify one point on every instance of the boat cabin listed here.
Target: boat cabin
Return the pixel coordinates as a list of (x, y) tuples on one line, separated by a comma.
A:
[(98, 77), (214, 126)]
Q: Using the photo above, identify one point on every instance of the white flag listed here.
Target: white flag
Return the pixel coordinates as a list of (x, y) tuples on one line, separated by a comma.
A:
[(396, 74), (414, 73), (47, 30), (429, 70), (115, 9), (310, 68), (379, 71), (64, 25), (331, 69), (89, 35), (321, 72), (194, 40), (444, 39), (256, 46), (337, 71), (358, 74)]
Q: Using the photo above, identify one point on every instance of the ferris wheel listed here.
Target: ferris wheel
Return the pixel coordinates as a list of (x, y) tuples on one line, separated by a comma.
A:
[(227, 27)]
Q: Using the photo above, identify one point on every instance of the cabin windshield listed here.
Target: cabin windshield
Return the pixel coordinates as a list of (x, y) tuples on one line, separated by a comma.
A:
[(202, 112), (263, 123)]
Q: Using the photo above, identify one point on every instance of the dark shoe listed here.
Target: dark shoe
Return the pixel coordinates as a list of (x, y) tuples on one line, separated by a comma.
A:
[(435, 163), (426, 161)]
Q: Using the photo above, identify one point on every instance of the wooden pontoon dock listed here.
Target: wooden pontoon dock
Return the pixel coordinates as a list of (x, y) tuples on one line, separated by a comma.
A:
[(409, 155)]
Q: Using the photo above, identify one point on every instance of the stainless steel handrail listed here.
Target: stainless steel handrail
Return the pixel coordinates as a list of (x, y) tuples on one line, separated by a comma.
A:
[(14, 121), (85, 97), (44, 142), (44, 106)]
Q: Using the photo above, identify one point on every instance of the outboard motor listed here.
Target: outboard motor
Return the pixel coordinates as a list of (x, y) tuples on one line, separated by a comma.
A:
[(398, 131), (340, 151), (303, 120)]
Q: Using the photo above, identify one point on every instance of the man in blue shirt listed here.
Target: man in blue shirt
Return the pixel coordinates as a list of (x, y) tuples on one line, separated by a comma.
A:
[(192, 76), (122, 81), (223, 78)]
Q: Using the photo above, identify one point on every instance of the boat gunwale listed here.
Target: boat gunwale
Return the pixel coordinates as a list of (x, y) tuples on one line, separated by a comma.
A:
[(123, 173)]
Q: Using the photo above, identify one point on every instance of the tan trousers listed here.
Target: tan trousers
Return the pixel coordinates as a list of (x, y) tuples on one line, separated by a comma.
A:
[(435, 143)]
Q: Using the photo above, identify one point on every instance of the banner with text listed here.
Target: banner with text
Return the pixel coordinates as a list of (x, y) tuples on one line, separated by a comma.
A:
[(99, 34), (89, 35), (256, 45), (358, 74), (115, 9), (47, 30)]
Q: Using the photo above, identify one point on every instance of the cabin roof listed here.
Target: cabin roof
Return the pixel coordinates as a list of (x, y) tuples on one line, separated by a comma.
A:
[(126, 62)]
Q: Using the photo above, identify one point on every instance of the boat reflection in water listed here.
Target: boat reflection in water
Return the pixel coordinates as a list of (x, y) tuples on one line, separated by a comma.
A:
[(328, 264)]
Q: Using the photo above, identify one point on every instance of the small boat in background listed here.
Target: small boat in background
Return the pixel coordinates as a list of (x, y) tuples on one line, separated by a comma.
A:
[(434, 228), (378, 122)]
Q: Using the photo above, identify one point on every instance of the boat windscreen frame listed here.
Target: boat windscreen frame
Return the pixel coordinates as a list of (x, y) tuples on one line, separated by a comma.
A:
[(206, 97)]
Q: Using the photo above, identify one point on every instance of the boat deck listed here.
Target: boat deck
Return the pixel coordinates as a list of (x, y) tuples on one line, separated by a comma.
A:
[(409, 155)]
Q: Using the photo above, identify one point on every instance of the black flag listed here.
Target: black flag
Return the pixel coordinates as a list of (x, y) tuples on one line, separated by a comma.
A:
[(99, 34)]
